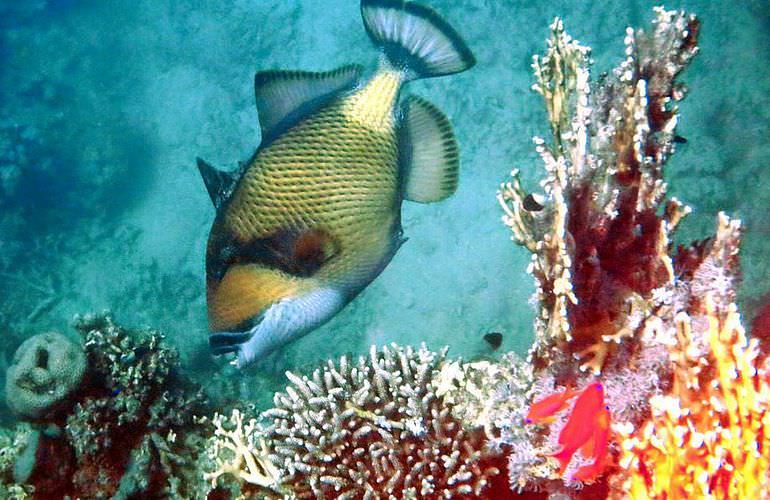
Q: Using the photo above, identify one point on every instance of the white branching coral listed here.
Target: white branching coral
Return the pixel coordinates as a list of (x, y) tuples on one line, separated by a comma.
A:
[(239, 449), (376, 429), (600, 245)]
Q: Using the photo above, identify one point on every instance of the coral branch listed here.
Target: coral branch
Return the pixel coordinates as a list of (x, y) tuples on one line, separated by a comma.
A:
[(709, 437), (241, 451), (599, 247)]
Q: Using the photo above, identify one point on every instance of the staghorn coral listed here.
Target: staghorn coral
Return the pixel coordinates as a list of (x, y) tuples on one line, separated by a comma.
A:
[(709, 437), (376, 429), (240, 451)]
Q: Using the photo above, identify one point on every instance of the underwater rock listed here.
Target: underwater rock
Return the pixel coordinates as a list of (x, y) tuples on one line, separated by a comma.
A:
[(45, 371)]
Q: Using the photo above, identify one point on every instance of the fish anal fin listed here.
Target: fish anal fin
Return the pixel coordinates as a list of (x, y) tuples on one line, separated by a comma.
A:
[(219, 183), (430, 155), (285, 97)]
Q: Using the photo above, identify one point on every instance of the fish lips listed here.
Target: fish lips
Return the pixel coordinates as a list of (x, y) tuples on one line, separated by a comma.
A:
[(225, 342)]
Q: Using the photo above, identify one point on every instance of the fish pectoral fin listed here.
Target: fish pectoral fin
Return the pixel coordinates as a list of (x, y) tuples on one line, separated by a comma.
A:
[(285, 97), (299, 252), (218, 183), (430, 161)]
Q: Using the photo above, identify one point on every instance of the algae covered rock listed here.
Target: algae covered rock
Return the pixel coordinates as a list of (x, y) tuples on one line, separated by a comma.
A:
[(46, 369)]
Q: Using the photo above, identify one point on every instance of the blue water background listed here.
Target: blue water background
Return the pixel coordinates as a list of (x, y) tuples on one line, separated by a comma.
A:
[(105, 105)]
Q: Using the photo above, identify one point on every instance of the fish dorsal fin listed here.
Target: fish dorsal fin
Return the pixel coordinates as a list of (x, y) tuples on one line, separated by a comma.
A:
[(284, 97), (219, 184), (431, 157)]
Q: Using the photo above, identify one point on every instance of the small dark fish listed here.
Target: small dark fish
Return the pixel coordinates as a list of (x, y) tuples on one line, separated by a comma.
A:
[(679, 139), (494, 339), (531, 204)]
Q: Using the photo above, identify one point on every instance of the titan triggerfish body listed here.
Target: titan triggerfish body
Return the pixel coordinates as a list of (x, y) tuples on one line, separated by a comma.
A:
[(315, 215)]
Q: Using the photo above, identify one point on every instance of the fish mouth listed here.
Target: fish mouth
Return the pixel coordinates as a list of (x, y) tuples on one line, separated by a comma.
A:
[(227, 342), (279, 324)]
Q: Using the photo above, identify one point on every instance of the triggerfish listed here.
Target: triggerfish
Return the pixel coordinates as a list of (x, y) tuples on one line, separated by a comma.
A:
[(315, 214)]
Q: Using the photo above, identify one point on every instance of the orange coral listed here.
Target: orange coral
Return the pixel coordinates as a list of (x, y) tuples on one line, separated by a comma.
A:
[(710, 437)]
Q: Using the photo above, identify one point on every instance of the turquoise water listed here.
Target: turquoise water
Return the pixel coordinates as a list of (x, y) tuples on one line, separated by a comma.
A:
[(105, 105)]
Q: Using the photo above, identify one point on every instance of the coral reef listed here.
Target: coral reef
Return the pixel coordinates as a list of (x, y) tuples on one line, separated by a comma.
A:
[(709, 436), (137, 420), (12, 445), (241, 451), (378, 428), (46, 369), (599, 246), (631, 360), (613, 291), (641, 381), (129, 428)]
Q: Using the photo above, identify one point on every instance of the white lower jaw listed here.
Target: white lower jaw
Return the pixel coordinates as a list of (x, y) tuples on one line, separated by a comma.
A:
[(287, 320)]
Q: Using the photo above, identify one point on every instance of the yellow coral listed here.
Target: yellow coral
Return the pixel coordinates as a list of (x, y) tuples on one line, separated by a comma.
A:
[(710, 437)]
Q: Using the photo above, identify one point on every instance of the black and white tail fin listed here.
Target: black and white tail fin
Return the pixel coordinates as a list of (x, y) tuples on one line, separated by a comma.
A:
[(415, 39)]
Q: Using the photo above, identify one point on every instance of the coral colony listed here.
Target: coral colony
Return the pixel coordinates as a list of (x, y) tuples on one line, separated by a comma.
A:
[(641, 381)]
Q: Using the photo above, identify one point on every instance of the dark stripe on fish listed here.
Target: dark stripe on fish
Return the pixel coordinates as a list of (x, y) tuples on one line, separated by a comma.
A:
[(296, 252)]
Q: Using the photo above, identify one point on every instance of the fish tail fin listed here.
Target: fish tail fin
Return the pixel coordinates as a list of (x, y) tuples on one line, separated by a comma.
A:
[(415, 39)]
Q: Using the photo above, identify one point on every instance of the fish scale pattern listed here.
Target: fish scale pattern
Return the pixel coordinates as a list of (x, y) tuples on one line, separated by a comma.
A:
[(331, 174)]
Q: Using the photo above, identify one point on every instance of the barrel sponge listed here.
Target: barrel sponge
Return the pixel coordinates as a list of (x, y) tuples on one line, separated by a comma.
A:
[(45, 370)]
